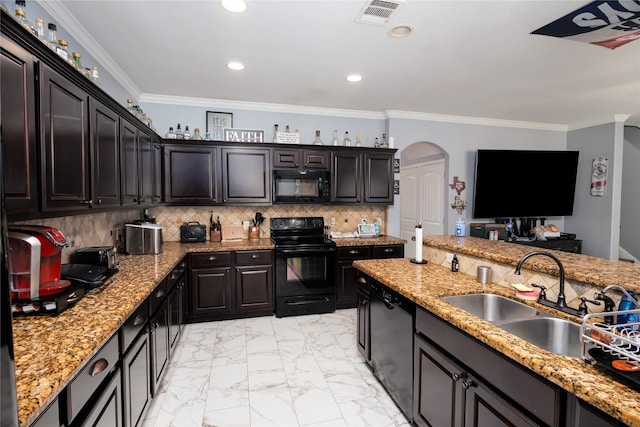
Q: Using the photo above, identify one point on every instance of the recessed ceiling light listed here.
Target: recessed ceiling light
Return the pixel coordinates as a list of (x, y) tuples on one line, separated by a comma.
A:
[(237, 6), (354, 78), (401, 31), (235, 66)]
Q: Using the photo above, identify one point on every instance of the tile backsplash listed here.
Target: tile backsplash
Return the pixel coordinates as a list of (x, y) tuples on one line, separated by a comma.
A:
[(347, 216), (96, 229), (87, 230)]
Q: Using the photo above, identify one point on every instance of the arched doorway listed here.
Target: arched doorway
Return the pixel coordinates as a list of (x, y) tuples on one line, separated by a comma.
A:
[(423, 171)]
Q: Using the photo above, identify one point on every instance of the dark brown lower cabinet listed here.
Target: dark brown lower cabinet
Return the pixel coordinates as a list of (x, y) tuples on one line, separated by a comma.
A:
[(232, 284), (159, 346), (175, 306), (107, 410), (459, 381), (364, 328), (347, 274), (136, 381)]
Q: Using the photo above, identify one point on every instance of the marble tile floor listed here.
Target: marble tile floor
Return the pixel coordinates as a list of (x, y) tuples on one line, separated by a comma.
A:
[(296, 371)]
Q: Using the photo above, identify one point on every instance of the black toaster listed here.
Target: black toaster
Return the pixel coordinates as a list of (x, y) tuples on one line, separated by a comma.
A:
[(97, 255), (193, 232)]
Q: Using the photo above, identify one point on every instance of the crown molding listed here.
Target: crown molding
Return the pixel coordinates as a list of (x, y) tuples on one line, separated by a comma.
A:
[(258, 106), (75, 29), (613, 119), (480, 121)]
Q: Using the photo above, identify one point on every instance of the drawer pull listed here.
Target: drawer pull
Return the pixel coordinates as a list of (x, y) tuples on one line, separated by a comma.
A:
[(212, 258), (388, 250), (254, 256), (99, 367), (160, 293), (354, 251), (139, 320), (361, 279), (174, 275)]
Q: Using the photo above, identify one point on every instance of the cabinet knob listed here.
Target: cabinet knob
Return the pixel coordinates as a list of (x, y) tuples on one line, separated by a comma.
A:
[(213, 258), (160, 293), (455, 376), (142, 201), (139, 320), (468, 384), (86, 202), (361, 279), (254, 256), (388, 250), (354, 251), (99, 202)]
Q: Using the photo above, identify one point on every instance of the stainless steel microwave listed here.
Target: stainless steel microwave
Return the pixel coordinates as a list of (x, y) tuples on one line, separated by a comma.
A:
[(300, 186)]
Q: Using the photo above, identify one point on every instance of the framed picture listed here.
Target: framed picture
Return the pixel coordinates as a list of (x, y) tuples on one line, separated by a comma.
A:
[(216, 123)]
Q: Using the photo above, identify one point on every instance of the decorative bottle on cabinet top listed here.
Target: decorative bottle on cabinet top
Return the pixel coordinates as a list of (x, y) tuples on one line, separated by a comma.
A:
[(318, 141), (335, 140)]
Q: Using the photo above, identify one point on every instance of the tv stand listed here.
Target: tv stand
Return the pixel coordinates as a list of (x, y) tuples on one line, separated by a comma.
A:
[(555, 243)]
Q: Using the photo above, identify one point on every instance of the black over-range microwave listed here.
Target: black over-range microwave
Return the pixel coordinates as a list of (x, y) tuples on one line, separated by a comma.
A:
[(300, 186)]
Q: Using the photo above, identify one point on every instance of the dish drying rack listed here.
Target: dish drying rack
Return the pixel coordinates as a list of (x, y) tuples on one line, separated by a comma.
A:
[(621, 341)]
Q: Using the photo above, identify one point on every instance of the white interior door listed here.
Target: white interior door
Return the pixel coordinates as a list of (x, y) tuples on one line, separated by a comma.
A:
[(421, 201)]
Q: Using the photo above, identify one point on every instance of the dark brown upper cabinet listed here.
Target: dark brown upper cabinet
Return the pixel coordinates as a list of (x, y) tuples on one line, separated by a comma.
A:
[(18, 118), (105, 159), (300, 159), (65, 143), (191, 174), (246, 176), (361, 177)]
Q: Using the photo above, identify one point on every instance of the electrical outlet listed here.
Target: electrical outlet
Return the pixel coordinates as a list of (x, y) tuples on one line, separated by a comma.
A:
[(449, 258)]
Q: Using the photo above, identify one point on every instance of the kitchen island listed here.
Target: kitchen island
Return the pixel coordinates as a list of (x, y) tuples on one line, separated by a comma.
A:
[(427, 284)]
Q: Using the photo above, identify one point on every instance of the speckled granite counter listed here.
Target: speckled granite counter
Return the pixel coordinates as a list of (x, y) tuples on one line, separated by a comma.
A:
[(426, 284), (588, 269), (381, 240), (51, 350)]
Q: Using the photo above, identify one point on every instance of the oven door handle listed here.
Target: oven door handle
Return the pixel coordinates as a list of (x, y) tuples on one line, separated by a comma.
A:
[(306, 251)]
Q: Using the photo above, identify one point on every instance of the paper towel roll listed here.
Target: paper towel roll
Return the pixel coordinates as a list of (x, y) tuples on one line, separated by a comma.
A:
[(419, 242)]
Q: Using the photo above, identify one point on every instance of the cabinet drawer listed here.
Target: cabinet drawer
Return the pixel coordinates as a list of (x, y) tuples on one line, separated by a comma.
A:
[(354, 252), (133, 325), (211, 259), (81, 389), (254, 257), (157, 296), (175, 274), (388, 251)]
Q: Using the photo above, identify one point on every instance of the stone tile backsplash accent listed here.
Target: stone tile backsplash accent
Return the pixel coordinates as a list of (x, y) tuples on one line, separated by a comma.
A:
[(87, 230), (96, 229), (347, 216), (503, 275)]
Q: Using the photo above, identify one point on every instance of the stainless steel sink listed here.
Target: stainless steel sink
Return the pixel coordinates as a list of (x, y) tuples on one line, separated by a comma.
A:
[(492, 308), (543, 329), (556, 335)]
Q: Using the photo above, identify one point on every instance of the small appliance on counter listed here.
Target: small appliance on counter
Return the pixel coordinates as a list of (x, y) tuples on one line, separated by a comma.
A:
[(35, 254), (143, 238), (193, 232), (91, 266), (88, 275), (97, 255)]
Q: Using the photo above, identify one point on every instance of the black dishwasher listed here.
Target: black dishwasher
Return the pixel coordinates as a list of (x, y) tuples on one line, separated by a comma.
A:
[(392, 332)]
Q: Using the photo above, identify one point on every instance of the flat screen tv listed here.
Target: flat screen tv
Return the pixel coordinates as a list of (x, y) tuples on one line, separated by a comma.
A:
[(524, 183)]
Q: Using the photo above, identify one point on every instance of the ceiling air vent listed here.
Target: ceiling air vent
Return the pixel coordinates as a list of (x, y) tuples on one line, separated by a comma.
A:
[(378, 12)]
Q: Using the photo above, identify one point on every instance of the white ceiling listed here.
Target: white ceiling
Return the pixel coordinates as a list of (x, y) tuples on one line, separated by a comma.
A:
[(465, 58)]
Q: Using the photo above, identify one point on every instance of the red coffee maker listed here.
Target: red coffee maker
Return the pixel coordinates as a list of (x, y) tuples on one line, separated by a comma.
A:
[(35, 254)]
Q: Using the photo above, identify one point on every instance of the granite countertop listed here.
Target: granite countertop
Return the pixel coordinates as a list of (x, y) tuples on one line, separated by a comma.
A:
[(50, 350), (380, 240), (426, 284), (584, 268)]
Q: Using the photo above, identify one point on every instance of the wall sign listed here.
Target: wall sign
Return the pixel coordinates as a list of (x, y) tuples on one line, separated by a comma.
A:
[(244, 135), (599, 177), (396, 165), (217, 122), (604, 23)]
